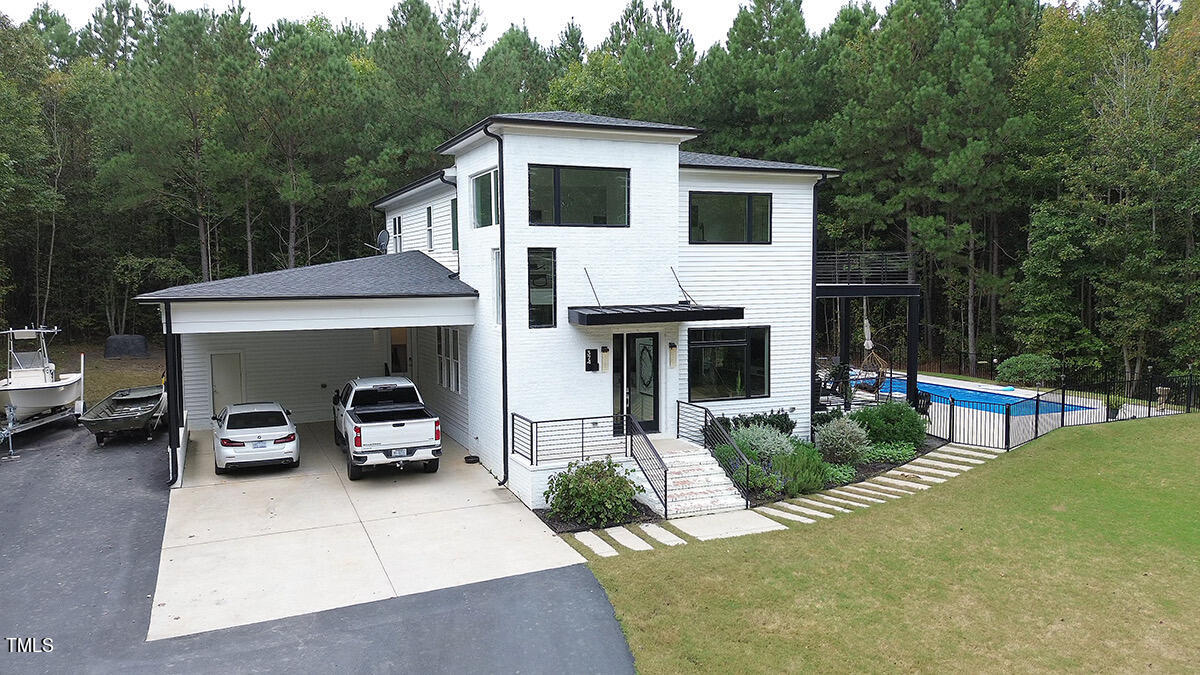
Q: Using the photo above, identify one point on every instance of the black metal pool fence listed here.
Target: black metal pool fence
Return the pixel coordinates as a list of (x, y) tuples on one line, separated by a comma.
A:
[(1080, 401)]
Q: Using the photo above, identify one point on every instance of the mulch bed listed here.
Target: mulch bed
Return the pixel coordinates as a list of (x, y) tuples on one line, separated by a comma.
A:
[(645, 515)]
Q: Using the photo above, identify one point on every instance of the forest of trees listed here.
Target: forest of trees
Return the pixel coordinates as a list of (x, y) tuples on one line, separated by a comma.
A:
[(1040, 162)]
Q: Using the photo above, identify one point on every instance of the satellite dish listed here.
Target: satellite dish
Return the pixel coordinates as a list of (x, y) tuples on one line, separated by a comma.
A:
[(381, 241)]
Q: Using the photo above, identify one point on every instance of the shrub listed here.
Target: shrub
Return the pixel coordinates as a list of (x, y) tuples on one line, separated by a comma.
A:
[(839, 474), (597, 494), (761, 443), (776, 419), (1029, 369), (822, 418), (892, 422), (890, 453), (757, 480), (802, 470), (726, 455), (842, 441)]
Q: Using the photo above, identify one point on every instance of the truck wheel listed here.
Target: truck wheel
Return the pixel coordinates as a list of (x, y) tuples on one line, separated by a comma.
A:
[(337, 438), (431, 466), (353, 471), (99, 439)]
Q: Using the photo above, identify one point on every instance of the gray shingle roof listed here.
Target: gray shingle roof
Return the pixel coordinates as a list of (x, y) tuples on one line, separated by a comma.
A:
[(706, 161), (410, 274), (564, 118)]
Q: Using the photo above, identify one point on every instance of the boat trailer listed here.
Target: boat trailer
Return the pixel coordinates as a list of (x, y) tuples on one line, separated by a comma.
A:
[(12, 427)]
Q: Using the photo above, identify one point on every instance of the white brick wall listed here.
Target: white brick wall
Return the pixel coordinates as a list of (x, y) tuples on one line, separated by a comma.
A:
[(773, 282)]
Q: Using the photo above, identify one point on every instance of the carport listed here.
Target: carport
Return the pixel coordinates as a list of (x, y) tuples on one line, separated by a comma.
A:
[(264, 544), (249, 327)]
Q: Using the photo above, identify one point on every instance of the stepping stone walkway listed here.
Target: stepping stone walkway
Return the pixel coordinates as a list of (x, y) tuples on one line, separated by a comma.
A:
[(920, 474)]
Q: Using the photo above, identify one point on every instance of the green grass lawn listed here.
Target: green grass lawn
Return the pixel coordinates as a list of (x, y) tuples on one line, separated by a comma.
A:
[(1079, 551), (104, 376)]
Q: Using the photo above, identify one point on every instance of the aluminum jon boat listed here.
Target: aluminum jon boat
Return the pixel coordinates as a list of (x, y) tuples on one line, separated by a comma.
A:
[(134, 409)]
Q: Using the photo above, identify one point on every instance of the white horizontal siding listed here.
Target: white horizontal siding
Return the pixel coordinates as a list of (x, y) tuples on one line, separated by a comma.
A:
[(298, 369), (452, 407), (412, 225)]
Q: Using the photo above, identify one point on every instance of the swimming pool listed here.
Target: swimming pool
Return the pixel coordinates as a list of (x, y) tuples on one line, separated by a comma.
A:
[(981, 400)]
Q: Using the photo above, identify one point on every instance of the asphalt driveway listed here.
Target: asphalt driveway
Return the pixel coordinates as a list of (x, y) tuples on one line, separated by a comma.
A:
[(81, 534)]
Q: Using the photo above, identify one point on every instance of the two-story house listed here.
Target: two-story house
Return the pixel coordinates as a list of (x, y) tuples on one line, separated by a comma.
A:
[(571, 286)]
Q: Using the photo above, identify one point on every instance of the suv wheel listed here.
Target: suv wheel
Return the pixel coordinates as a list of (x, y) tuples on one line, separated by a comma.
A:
[(431, 466), (220, 470)]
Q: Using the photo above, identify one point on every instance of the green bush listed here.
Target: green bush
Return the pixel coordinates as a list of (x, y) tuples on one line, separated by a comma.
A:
[(892, 422), (726, 455), (776, 419), (822, 418), (802, 470), (890, 453), (760, 442), (1029, 369), (597, 494), (757, 480), (842, 441), (839, 474)]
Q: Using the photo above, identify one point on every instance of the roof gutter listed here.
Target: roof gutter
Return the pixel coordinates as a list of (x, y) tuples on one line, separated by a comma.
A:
[(487, 131)]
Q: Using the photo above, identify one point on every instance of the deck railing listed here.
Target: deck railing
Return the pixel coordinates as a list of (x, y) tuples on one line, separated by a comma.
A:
[(870, 267), (590, 438)]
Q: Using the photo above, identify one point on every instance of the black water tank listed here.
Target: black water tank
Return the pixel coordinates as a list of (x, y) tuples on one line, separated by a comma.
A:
[(118, 346)]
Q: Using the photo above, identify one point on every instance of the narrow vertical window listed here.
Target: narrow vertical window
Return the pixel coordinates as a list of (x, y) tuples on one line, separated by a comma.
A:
[(486, 198), (496, 281), (429, 227), (396, 232), (454, 224), (541, 288), (441, 356)]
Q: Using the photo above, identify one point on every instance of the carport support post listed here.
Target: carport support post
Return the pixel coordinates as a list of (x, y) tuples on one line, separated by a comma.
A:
[(174, 389), (912, 342)]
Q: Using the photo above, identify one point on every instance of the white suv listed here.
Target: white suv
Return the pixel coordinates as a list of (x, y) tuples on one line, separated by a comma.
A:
[(254, 434)]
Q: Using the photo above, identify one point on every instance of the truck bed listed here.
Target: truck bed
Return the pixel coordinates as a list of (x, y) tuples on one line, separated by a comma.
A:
[(374, 416)]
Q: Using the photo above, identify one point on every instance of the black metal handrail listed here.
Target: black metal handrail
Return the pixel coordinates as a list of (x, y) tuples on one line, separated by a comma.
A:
[(522, 437), (869, 267), (648, 460), (697, 424)]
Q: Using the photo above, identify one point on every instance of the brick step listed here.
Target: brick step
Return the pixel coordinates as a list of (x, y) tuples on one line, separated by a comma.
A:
[(691, 470), (706, 480), (702, 505)]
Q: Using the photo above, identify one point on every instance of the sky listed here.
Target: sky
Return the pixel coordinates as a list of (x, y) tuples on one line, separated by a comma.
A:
[(708, 20)]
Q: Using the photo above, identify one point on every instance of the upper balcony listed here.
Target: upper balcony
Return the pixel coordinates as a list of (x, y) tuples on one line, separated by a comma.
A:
[(871, 273)]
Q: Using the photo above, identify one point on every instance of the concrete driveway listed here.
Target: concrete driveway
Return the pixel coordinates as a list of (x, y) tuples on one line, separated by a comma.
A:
[(271, 543)]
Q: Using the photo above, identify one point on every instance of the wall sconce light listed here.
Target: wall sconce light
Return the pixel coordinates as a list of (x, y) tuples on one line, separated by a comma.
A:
[(672, 354), (604, 359)]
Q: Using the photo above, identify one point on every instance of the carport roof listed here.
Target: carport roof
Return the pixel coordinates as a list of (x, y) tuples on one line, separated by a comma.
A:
[(410, 274)]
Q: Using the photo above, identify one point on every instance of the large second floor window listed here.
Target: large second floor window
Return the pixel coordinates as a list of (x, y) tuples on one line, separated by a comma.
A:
[(580, 196), (541, 288), (486, 195), (729, 218), (728, 363)]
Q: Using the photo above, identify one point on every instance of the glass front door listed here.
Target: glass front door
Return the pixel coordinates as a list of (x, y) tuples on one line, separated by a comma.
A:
[(635, 378)]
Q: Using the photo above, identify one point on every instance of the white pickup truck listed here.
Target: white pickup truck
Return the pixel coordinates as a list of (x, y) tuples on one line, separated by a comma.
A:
[(383, 420)]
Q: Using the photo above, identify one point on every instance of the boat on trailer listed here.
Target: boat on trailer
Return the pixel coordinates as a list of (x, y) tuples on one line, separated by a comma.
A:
[(133, 409), (33, 386)]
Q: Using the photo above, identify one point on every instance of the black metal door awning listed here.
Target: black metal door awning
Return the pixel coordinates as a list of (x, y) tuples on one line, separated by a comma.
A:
[(613, 315)]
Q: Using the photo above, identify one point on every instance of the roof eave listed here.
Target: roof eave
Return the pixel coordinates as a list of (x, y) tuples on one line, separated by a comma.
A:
[(418, 183), (476, 128), (809, 171), (149, 300)]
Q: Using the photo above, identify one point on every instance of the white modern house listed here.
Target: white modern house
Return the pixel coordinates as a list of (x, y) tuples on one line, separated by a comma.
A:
[(572, 286)]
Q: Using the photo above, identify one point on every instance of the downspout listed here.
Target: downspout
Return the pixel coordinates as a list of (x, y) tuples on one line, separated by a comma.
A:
[(812, 342), (487, 131), (453, 217), (172, 403)]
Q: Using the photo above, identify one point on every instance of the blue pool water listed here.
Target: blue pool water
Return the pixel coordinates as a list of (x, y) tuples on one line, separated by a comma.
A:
[(981, 400)]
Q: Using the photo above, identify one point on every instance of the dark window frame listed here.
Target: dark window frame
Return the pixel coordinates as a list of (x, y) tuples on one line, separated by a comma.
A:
[(454, 224), (558, 194), (554, 286), (749, 217), (744, 342)]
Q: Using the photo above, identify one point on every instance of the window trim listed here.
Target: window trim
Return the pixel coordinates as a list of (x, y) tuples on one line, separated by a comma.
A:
[(749, 217), (745, 343), (554, 288), (449, 358), (558, 194), (429, 227), (495, 180)]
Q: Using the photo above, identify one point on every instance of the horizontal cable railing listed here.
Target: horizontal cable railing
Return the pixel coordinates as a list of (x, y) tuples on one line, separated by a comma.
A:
[(697, 424), (522, 437), (870, 267)]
